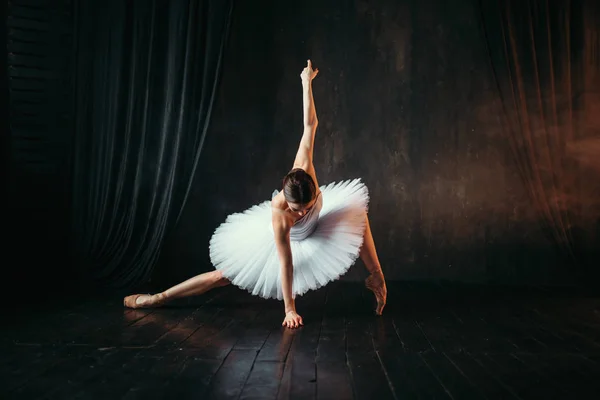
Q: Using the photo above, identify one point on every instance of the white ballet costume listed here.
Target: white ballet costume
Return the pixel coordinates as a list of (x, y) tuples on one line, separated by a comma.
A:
[(325, 242)]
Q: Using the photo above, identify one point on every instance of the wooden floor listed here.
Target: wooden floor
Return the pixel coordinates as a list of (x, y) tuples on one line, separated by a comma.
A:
[(435, 341)]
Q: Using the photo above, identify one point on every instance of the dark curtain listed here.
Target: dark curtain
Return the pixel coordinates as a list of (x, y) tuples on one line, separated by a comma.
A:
[(5, 129), (4, 103), (537, 51), (39, 40), (146, 81)]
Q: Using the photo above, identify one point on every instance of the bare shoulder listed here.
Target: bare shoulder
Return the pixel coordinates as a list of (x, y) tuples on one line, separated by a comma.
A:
[(282, 221), (278, 202)]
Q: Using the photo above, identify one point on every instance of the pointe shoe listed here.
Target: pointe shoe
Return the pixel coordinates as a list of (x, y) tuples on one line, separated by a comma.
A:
[(143, 301), (376, 283)]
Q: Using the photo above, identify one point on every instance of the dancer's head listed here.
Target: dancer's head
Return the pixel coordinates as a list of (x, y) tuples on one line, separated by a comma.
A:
[(299, 190)]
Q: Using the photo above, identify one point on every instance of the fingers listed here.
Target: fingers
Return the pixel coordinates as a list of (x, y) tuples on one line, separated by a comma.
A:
[(293, 323), (308, 72)]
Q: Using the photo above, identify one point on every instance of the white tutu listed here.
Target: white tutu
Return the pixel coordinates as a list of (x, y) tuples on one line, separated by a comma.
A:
[(243, 247)]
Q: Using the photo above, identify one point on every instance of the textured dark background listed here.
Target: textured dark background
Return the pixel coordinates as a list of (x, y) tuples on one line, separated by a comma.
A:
[(406, 100)]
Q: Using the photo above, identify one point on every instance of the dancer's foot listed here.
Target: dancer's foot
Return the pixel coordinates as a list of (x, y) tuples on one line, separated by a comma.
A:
[(376, 283), (144, 300)]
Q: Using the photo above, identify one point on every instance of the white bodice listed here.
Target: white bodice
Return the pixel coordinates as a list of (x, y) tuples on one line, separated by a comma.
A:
[(306, 225)]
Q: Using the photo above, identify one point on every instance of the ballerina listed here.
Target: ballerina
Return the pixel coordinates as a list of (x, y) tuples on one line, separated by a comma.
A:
[(303, 238)]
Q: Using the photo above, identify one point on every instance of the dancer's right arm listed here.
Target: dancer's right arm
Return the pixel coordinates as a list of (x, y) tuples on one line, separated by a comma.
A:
[(281, 229)]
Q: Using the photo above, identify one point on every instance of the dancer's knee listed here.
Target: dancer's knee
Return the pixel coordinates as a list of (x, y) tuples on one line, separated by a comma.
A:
[(217, 276), (219, 279), (223, 282)]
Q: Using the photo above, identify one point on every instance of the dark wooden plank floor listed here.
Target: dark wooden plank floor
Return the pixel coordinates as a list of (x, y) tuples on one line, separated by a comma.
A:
[(434, 341)]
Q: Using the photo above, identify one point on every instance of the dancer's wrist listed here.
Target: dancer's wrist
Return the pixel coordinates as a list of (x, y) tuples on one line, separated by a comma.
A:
[(290, 308)]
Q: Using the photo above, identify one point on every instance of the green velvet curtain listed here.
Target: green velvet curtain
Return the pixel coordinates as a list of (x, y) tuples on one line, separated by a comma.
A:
[(146, 80)]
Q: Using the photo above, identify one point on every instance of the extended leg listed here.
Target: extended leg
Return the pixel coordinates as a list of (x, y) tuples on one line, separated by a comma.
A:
[(376, 281), (192, 287)]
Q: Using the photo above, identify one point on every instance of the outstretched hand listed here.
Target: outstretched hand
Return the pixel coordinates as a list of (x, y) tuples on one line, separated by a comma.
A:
[(308, 73), (292, 320)]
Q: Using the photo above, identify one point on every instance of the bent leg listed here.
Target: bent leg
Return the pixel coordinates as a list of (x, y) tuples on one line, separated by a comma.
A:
[(192, 287), (376, 281)]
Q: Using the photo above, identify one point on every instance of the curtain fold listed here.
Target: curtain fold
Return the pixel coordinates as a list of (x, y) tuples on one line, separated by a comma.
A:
[(146, 81), (4, 102), (534, 49)]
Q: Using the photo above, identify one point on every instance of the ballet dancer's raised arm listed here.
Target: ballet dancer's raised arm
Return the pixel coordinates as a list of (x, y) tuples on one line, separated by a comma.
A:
[(304, 156)]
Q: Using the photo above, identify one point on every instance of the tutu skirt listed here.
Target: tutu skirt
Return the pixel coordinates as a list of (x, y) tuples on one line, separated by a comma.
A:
[(243, 247)]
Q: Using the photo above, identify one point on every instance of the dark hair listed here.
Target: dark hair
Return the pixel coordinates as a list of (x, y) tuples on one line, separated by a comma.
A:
[(299, 187)]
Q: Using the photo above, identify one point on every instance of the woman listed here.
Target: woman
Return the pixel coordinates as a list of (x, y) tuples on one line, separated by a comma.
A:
[(305, 237)]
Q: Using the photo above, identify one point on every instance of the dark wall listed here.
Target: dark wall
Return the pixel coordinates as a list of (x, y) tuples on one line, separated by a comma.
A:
[(40, 84), (406, 100)]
